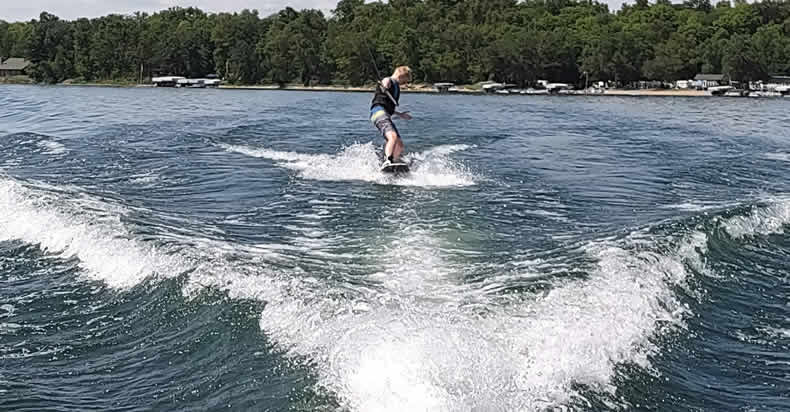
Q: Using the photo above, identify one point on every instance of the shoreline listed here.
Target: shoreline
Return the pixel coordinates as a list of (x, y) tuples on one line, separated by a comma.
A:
[(658, 92), (422, 90), (351, 89), (417, 90)]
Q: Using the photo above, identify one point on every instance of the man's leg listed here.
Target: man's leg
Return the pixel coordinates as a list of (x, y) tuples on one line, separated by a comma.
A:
[(394, 145), (398, 149)]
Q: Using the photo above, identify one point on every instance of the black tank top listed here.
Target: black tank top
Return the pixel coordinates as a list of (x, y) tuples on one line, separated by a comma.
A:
[(381, 98)]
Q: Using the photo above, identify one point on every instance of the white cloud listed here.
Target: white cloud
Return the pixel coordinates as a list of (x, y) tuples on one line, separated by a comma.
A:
[(73, 9)]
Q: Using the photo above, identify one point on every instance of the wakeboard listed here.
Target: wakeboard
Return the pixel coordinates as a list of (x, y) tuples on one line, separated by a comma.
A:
[(395, 168)]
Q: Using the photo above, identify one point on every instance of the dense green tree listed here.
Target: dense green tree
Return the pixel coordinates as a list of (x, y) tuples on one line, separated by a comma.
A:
[(280, 54), (309, 46), (84, 64), (742, 61), (772, 47), (464, 41), (50, 49), (236, 38), (15, 39), (5, 40)]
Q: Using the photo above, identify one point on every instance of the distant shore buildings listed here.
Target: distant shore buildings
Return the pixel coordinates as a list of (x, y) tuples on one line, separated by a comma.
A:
[(702, 84), (721, 85), (13, 66), (179, 81)]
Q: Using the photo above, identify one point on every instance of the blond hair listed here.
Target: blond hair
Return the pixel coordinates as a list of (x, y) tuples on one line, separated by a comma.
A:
[(403, 70)]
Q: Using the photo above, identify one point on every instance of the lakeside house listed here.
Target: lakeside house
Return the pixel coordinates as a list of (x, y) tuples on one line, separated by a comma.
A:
[(705, 81), (774, 86), (778, 84), (779, 80), (13, 66), (647, 84)]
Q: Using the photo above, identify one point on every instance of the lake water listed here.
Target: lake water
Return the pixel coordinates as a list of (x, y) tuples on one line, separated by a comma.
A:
[(175, 250)]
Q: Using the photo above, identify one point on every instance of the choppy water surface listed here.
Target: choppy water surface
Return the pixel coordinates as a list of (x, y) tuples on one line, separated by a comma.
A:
[(207, 249)]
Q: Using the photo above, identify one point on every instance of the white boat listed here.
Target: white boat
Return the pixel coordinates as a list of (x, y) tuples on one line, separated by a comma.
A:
[(766, 93), (166, 81), (444, 87), (557, 87), (719, 90), (535, 91), (492, 87), (198, 83)]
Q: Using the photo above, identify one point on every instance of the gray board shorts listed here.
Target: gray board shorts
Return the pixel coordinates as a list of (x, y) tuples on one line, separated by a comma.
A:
[(383, 122)]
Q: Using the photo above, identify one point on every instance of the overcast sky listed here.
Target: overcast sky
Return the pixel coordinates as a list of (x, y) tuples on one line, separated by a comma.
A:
[(16, 10), (23, 10)]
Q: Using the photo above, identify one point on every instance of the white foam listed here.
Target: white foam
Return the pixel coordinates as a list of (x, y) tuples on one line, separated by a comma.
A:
[(692, 249), (688, 206), (144, 179), (431, 168), (416, 336), (105, 249), (271, 154), (761, 221), (553, 215), (423, 339), (776, 333), (52, 147), (24, 353)]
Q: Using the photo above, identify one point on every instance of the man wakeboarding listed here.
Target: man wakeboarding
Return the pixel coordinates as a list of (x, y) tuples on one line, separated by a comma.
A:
[(382, 108)]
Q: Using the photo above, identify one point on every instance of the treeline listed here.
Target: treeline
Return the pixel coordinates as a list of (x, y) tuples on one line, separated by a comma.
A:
[(461, 41)]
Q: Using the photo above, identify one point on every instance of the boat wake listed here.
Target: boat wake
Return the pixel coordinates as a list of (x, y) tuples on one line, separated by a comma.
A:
[(414, 334), (431, 168), (85, 228)]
